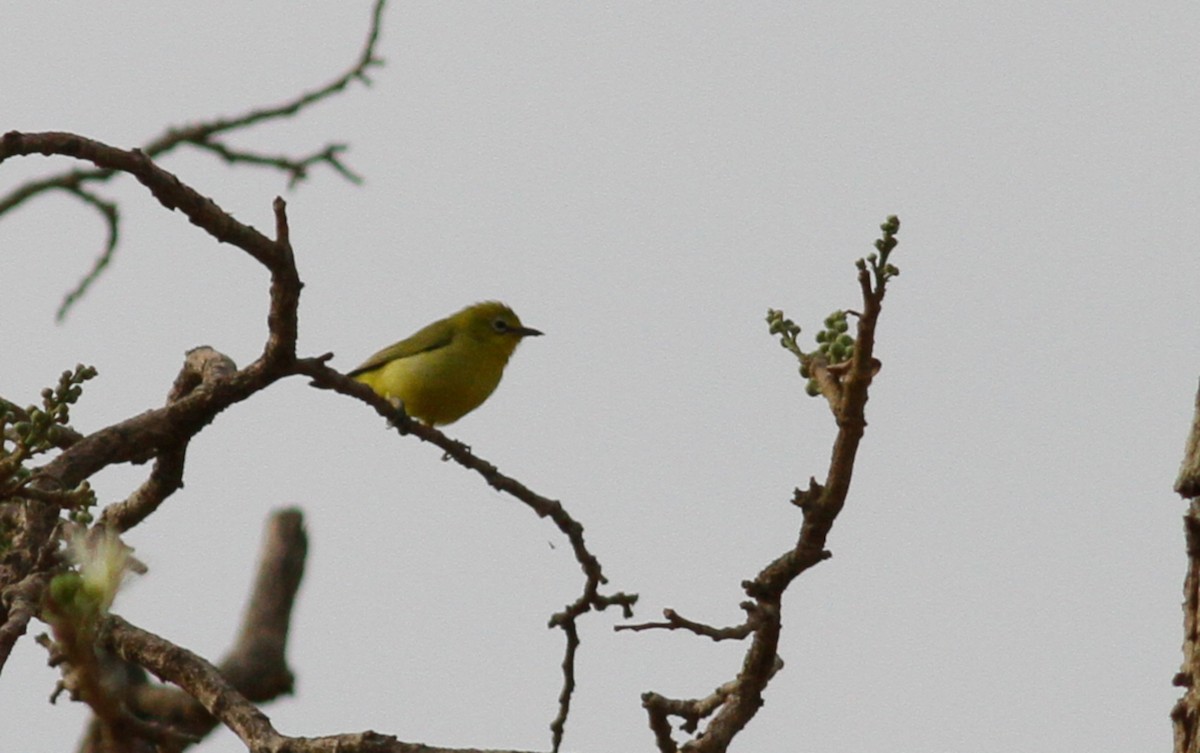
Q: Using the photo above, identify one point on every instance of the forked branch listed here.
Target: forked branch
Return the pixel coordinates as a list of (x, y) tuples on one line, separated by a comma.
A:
[(208, 384), (205, 135)]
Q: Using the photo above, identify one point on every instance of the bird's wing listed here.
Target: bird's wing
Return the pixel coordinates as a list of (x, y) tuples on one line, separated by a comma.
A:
[(434, 336)]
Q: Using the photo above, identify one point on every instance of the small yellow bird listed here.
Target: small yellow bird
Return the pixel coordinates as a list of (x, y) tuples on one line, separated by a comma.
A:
[(447, 369)]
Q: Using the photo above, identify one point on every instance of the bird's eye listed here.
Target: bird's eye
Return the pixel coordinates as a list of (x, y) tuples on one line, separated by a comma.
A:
[(500, 325)]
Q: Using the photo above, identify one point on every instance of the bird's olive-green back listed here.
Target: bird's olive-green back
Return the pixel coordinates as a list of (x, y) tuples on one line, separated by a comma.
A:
[(430, 337), (478, 322)]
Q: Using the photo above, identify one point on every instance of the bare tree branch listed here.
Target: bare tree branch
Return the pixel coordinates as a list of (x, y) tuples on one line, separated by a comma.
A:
[(21, 601), (163, 432), (203, 135), (255, 667), (589, 599), (845, 387), (208, 685), (1185, 716), (112, 219), (201, 680), (209, 383), (296, 167), (675, 621), (202, 365), (165, 187)]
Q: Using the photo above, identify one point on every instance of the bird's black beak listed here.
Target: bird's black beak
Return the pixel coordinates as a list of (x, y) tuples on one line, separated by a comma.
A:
[(528, 332)]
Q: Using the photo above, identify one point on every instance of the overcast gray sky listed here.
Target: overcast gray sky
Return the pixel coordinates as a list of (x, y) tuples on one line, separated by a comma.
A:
[(641, 181)]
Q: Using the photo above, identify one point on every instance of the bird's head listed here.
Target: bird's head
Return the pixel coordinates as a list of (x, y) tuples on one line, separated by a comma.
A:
[(494, 323)]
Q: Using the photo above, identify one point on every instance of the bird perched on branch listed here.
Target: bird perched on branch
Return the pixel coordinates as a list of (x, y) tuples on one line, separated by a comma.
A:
[(448, 368)]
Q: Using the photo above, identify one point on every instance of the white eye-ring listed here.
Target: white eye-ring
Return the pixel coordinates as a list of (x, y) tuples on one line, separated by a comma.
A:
[(500, 325)]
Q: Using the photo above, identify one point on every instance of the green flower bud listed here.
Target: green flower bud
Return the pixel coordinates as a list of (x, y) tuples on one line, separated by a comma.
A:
[(64, 587)]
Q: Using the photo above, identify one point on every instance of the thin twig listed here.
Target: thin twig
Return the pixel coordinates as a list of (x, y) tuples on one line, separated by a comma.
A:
[(675, 621), (202, 135), (845, 388), (111, 214), (589, 599)]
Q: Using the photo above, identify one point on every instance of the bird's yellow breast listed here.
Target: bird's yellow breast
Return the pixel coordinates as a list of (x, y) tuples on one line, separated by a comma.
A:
[(440, 386)]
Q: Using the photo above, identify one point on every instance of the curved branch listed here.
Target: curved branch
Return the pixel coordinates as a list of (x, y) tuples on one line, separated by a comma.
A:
[(108, 210), (197, 397), (202, 365), (544, 507), (845, 387), (357, 72), (222, 700), (168, 189), (256, 666), (201, 135)]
